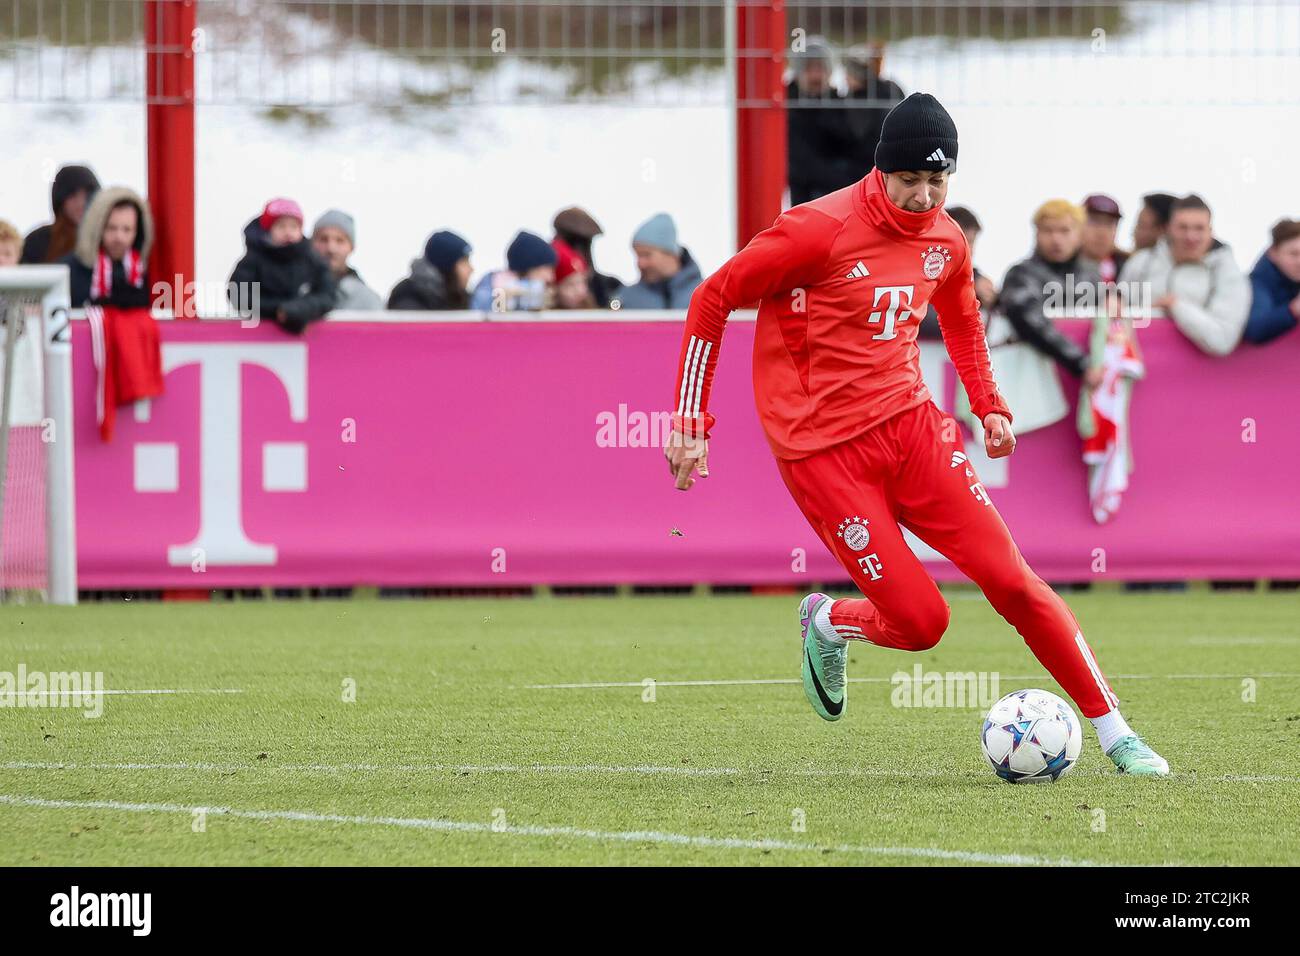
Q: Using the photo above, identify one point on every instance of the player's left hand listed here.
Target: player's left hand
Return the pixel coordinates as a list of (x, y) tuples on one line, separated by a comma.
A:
[(999, 439)]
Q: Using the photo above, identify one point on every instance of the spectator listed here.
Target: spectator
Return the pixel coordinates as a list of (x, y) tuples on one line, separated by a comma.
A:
[(281, 274), (1194, 279), (668, 273), (1152, 220), (334, 237), (821, 152), (572, 289), (1099, 231), (526, 284), (870, 97), (109, 265), (577, 229), (1057, 271), (11, 244), (439, 279), (1275, 286), (985, 291), (73, 189)]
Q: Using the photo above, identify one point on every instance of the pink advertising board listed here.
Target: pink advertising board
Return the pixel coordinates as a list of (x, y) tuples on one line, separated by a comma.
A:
[(518, 453)]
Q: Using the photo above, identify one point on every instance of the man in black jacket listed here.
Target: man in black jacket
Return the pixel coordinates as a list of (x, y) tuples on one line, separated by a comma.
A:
[(821, 150), (870, 98), (281, 275), (1056, 281)]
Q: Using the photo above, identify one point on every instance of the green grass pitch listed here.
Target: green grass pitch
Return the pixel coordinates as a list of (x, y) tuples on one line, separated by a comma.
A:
[(452, 754)]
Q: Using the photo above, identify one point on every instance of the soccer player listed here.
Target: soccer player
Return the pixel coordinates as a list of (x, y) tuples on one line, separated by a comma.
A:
[(842, 283)]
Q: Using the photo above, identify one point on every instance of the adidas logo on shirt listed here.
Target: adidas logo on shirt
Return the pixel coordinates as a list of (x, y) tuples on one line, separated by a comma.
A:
[(859, 271), (957, 458), (937, 157)]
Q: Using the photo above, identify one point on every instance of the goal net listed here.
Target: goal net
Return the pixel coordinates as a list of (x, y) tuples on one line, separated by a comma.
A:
[(37, 519)]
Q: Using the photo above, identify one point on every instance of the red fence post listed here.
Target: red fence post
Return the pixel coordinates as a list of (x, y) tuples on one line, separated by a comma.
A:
[(760, 115), (169, 107)]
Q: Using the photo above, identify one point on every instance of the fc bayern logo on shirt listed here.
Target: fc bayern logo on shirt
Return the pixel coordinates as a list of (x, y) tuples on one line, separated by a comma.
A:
[(854, 532), (935, 257)]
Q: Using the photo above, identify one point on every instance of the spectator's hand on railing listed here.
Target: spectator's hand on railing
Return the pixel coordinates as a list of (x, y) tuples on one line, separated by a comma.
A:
[(999, 439), (686, 454)]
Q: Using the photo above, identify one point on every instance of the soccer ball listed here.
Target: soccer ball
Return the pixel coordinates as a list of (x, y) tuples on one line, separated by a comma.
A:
[(1031, 736)]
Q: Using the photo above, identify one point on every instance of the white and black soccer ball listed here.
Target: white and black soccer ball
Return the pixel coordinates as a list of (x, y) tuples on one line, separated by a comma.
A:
[(1031, 736)]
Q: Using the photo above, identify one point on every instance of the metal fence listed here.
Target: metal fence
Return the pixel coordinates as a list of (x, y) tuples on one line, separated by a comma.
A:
[(414, 55)]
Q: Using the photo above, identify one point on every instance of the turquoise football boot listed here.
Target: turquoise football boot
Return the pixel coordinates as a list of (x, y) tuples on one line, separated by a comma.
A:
[(1132, 756), (824, 661)]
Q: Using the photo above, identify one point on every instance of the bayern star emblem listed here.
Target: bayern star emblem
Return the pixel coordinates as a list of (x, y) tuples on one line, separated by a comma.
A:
[(934, 258), (853, 531)]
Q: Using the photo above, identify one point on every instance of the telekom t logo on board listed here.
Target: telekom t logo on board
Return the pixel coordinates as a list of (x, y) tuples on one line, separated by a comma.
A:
[(221, 538)]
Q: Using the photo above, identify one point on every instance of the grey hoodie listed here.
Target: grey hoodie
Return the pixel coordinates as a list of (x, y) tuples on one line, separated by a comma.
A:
[(672, 293), (1213, 295)]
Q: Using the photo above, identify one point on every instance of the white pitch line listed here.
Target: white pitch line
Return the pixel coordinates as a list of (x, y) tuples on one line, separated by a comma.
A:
[(577, 769), (625, 836), (121, 692), (594, 685)]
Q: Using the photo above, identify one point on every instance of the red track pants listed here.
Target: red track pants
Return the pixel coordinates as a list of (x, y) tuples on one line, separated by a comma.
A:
[(911, 470)]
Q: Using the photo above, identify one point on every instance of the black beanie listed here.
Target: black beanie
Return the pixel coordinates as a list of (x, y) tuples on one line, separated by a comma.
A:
[(444, 249), (528, 251), (918, 133)]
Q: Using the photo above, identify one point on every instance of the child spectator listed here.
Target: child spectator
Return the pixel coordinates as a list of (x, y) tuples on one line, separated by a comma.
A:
[(571, 288), (439, 279), (576, 228), (11, 244), (280, 274), (526, 284)]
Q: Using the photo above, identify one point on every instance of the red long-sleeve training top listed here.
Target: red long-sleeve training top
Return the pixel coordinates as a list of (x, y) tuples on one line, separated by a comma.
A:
[(842, 284)]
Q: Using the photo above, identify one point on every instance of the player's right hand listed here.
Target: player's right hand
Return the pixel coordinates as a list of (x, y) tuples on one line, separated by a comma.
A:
[(686, 454)]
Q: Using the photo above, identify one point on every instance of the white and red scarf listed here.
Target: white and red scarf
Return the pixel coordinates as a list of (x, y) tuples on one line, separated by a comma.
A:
[(127, 352), (1107, 452), (101, 278)]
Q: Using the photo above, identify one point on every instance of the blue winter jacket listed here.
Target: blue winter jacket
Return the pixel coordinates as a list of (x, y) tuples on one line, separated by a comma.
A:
[(1270, 304)]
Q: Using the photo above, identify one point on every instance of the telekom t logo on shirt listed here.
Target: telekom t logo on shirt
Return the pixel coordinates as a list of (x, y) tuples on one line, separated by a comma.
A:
[(900, 298)]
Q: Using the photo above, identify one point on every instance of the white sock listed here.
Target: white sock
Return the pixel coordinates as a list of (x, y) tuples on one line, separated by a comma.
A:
[(825, 629), (1110, 728)]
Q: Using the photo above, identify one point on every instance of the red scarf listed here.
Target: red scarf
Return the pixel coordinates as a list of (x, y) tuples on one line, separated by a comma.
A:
[(879, 210), (101, 280)]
